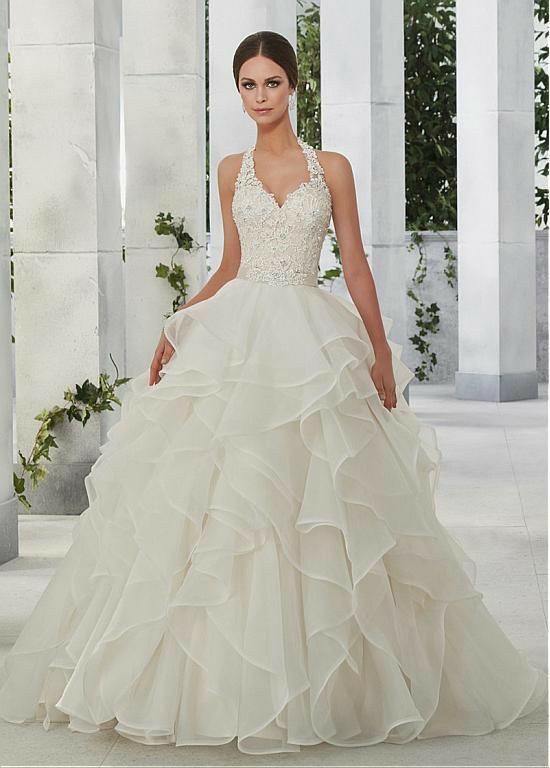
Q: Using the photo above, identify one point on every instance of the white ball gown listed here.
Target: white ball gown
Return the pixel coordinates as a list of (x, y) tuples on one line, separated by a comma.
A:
[(261, 556)]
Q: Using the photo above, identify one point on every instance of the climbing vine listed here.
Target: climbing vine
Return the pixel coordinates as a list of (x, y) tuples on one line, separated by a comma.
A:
[(427, 315), (174, 273), (89, 398), (329, 275), (85, 400)]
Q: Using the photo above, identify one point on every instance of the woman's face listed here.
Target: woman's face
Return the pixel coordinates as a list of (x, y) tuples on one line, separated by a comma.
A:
[(263, 84)]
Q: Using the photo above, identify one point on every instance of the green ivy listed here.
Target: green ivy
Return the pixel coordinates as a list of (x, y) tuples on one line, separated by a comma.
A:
[(329, 275), (166, 224), (85, 400), (450, 266), (427, 315)]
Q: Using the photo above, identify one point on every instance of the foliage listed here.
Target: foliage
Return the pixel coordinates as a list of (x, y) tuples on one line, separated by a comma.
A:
[(541, 112), (430, 114), (427, 315), (329, 275), (166, 224), (85, 400), (308, 49), (430, 152), (430, 109)]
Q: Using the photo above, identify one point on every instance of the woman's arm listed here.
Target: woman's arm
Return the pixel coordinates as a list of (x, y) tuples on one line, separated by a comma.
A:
[(357, 272), (356, 269), (228, 168)]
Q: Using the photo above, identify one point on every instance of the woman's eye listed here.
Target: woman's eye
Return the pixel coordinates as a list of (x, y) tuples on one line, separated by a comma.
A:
[(270, 82)]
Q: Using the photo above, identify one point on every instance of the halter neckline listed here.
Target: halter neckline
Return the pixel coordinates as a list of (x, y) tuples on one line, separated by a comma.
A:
[(312, 172)]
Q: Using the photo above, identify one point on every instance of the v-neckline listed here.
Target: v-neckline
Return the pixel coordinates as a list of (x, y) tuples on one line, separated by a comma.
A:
[(271, 195)]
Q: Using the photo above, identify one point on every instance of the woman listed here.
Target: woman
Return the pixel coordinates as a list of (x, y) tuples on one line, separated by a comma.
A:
[(261, 557)]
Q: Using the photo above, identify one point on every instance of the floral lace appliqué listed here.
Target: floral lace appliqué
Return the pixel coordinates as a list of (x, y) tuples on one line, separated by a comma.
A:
[(281, 245)]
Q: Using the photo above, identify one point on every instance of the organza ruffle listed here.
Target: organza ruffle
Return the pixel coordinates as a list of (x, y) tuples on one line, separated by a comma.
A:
[(261, 557)]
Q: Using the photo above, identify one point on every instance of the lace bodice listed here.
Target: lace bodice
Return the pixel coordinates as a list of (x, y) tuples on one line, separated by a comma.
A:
[(281, 244)]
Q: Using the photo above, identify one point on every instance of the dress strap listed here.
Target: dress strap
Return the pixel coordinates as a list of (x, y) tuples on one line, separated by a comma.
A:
[(246, 171), (314, 166)]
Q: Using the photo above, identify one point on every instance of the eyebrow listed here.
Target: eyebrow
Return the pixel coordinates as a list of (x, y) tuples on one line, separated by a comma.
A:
[(267, 78)]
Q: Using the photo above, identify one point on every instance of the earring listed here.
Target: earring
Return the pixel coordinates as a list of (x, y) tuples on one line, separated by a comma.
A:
[(292, 100), (243, 106)]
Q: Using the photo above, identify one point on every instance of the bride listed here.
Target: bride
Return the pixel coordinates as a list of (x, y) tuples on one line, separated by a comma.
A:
[(266, 87), (261, 557)]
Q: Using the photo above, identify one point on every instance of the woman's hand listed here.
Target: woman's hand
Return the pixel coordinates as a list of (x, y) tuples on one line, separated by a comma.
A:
[(382, 376), (163, 353)]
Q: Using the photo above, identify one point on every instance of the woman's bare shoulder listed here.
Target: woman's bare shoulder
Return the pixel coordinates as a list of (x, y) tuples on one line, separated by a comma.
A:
[(332, 161), (336, 167), (230, 162), (228, 167)]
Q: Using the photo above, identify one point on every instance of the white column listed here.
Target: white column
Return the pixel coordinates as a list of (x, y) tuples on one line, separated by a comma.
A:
[(67, 214), (164, 120), (362, 98), (231, 129), (496, 207), (9, 541)]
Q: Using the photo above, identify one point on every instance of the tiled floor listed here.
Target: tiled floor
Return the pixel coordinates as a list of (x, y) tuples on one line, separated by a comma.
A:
[(492, 496)]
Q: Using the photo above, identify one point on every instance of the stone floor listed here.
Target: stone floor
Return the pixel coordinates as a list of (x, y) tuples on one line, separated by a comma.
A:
[(492, 496)]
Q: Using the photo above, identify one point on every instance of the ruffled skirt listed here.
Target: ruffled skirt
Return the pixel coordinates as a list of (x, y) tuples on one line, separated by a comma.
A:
[(261, 556)]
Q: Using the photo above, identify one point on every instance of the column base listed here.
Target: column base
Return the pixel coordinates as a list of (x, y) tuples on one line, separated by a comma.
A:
[(498, 388), (9, 529)]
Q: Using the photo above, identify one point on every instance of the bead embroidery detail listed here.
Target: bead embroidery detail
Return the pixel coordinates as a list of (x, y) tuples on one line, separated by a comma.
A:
[(281, 244)]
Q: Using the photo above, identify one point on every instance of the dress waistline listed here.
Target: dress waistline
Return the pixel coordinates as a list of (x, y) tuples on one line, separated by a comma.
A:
[(280, 276)]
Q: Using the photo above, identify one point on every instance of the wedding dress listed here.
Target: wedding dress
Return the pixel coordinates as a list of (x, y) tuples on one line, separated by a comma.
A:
[(261, 556)]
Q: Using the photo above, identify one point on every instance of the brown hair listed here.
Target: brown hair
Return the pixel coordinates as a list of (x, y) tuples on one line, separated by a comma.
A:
[(273, 46)]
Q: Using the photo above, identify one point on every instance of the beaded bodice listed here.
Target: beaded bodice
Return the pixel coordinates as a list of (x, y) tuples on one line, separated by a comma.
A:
[(281, 244)]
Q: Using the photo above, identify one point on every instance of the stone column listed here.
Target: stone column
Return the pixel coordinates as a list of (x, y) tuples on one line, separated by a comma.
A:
[(362, 91), (67, 224), (164, 118), (231, 129), (496, 205), (9, 540)]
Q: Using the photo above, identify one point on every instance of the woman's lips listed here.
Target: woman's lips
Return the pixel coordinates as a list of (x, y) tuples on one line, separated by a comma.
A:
[(261, 111)]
